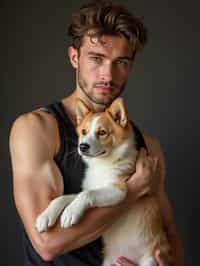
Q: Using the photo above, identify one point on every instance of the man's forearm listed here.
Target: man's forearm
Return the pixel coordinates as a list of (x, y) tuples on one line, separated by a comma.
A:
[(91, 226), (172, 233), (177, 248)]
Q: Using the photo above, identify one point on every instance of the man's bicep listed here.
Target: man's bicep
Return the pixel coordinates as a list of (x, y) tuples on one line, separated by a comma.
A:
[(32, 148), (34, 191), (36, 178)]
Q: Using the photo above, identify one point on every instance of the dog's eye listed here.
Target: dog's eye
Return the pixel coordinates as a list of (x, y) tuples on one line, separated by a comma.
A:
[(84, 131), (102, 132)]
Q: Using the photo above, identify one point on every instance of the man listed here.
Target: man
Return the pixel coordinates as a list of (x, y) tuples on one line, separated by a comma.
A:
[(45, 163)]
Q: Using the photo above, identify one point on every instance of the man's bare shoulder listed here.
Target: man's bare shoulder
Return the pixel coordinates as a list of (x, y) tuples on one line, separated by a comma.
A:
[(35, 128), (155, 150), (152, 142)]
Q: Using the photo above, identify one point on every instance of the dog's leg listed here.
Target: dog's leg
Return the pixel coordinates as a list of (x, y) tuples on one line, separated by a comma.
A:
[(150, 261), (49, 216), (107, 196)]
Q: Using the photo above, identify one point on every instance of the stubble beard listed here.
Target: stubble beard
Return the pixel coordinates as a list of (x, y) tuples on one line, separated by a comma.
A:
[(106, 101)]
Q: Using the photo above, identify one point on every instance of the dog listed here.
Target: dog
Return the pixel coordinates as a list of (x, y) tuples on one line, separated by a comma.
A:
[(107, 144)]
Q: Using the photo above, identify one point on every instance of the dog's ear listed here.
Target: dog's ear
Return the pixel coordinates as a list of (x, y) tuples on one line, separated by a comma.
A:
[(118, 112), (81, 111)]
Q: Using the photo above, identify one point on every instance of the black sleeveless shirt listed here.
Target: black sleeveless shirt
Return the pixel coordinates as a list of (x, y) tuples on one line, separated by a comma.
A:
[(72, 168)]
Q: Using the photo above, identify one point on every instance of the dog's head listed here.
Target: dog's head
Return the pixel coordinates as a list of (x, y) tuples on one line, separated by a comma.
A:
[(101, 134)]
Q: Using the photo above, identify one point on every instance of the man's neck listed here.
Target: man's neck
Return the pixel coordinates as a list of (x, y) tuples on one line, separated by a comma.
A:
[(70, 105), (94, 107)]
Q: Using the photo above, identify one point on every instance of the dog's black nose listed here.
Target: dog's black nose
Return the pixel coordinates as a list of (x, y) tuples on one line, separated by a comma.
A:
[(84, 147)]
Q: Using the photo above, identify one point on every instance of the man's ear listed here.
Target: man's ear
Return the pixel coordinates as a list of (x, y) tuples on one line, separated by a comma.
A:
[(73, 56), (81, 111), (118, 112)]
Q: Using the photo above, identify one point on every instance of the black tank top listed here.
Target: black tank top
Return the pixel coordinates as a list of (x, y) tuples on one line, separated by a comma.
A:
[(72, 169)]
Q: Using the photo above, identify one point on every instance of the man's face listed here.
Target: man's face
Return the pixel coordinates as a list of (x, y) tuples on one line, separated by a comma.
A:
[(103, 68)]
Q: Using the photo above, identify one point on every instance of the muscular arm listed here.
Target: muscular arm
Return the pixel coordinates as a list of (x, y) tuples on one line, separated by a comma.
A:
[(37, 180), (167, 212)]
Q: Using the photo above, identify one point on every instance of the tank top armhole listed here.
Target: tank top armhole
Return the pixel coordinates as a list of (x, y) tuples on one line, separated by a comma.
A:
[(61, 149)]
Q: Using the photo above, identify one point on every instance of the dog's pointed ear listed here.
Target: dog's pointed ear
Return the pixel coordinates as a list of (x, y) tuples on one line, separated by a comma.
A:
[(81, 111), (118, 112)]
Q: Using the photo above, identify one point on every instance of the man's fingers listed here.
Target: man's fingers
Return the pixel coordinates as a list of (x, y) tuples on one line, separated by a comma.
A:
[(155, 159), (158, 258), (125, 262), (142, 153), (142, 156)]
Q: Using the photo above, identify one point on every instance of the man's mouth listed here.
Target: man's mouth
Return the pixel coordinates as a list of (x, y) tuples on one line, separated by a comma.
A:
[(104, 88)]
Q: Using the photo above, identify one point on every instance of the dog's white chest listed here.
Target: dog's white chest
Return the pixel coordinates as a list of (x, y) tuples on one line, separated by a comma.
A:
[(98, 177)]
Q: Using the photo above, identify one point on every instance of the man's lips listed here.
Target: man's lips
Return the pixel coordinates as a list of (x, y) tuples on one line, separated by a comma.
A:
[(104, 88)]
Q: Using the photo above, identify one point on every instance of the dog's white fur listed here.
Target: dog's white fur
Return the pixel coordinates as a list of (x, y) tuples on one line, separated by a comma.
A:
[(136, 234)]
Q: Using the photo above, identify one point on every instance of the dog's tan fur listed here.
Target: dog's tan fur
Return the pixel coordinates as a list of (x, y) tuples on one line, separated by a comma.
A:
[(143, 221)]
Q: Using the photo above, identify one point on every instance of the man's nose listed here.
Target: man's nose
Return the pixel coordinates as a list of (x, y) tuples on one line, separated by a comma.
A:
[(107, 72)]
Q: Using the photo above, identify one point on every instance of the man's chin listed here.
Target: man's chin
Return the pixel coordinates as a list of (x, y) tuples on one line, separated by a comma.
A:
[(103, 100)]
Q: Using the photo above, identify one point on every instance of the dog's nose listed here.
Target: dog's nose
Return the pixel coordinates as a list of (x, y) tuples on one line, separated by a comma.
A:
[(84, 147)]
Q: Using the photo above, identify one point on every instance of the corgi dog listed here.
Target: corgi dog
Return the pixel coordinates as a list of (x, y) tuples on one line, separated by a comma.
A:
[(107, 144)]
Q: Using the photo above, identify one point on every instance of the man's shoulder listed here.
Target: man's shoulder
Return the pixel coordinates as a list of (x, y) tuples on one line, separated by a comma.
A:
[(155, 150), (35, 120), (36, 124), (152, 142)]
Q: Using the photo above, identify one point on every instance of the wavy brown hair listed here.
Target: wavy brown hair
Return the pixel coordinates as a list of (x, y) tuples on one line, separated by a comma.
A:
[(103, 17)]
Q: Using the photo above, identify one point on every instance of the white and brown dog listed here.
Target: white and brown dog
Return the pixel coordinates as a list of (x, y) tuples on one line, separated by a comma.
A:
[(107, 144)]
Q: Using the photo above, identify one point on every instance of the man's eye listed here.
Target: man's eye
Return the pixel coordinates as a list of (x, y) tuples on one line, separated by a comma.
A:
[(122, 63), (96, 59), (84, 131), (102, 132)]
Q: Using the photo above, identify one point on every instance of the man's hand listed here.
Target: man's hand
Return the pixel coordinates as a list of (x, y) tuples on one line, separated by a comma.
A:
[(144, 180), (122, 261)]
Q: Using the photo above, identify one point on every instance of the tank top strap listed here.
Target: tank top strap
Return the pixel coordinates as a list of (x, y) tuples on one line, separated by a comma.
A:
[(66, 128), (57, 109)]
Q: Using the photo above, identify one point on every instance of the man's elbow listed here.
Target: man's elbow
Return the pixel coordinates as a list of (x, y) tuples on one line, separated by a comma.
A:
[(46, 249), (46, 255), (43, 249), (48, 246)]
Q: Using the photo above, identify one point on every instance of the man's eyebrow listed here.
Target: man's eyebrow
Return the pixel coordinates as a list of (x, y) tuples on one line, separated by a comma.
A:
[(96, 54), (124, 58), (118, 58)]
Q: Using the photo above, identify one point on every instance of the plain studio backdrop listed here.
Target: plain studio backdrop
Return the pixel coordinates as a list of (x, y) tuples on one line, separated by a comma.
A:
[(162, 96)]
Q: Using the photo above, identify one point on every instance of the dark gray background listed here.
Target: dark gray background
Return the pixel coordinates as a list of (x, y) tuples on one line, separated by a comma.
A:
[(162, 95)]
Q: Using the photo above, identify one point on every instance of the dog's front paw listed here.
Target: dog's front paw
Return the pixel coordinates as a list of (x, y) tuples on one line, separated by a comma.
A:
[(73, 212), (70, 216), (44, 221)]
